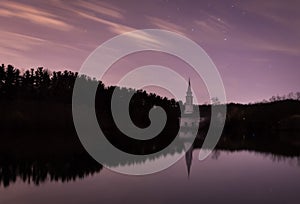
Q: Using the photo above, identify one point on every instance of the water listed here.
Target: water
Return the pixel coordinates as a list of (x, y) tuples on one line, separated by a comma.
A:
[(224, 177)]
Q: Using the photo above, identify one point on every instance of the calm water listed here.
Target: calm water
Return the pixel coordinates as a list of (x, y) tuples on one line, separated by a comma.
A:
[(224, 177)]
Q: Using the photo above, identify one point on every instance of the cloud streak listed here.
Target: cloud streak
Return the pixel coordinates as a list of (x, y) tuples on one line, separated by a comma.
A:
[(12, 9), (212, 26), (163, 24), (112, 26), (101, 8), (16, 44)]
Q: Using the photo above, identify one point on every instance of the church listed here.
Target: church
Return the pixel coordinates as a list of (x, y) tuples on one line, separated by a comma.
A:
[(190, 118)]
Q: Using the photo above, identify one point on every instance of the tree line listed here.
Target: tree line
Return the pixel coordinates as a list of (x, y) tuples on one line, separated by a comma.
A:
[(41, 84), (37, 83)]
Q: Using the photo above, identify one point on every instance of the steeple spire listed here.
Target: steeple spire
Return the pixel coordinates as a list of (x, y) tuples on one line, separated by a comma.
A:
[(189, 87)]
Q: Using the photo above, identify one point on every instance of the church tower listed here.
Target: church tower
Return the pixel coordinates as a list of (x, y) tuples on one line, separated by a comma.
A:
[(188, 106)]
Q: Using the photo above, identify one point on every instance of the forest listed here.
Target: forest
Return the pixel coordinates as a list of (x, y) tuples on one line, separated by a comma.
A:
[(36, 108)]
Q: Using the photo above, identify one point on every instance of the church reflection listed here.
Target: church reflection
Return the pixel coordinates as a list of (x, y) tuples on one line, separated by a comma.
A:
[(189, 159)]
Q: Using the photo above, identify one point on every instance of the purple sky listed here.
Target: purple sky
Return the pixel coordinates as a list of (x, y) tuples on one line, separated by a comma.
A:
[(255, 44)]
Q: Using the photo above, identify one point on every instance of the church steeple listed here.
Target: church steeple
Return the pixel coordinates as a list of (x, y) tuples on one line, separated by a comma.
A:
[(188, 108)]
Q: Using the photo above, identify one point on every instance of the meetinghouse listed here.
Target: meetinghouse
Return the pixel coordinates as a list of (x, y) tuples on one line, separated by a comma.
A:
[(190, 118)]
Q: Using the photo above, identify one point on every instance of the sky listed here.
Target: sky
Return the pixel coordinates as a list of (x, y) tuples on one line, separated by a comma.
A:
[(254, 44)]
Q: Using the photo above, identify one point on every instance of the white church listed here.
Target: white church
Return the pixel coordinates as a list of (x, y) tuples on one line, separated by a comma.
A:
[(190, 118)]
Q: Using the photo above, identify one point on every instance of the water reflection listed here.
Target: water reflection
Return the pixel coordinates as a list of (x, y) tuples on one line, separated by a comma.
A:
[(78, 166), (36, 159), (225, 176), (48, 169)]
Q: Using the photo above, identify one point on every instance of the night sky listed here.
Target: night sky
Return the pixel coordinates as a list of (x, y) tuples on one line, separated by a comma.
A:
[(255, 44)]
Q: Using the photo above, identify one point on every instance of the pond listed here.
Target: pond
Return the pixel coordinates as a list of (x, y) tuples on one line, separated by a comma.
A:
[(223, 177)]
